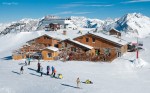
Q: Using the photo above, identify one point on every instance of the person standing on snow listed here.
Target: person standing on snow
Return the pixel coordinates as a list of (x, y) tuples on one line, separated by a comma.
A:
[(41, 70), (78, 82), (21, 70), (52, 70), (38, 65), (48, 69), (25, 62)]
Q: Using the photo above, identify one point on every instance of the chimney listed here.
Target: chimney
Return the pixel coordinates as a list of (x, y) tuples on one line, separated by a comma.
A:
[(64, 32)]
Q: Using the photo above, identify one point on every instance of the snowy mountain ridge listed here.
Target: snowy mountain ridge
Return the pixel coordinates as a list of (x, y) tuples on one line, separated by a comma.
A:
[(132, 23), (26, 24)]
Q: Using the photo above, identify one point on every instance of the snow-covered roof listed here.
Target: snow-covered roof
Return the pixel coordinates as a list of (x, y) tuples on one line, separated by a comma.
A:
[(110, 38), (81, 44), (52, 48), (115, 30)]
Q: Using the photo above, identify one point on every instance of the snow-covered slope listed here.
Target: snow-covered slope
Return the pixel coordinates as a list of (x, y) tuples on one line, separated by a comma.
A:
[(4, 25), (22, 25), (120, 76), (87, 22), (134, 23)]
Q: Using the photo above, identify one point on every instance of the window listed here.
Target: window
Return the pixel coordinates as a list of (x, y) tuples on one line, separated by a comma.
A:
[(56, 45), (93, 39), (73, 49), (49, 54), (87, 39)]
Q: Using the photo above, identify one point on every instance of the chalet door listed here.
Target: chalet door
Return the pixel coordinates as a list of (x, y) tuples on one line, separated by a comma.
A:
[(97, 51)]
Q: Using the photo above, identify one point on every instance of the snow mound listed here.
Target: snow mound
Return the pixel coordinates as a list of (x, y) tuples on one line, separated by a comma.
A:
[(140, 62)]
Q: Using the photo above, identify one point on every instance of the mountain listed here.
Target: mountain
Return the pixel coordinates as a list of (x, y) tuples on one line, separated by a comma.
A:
[(19, 26), (134, 24)]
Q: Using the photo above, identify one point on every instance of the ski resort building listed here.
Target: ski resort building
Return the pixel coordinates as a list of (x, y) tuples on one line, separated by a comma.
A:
[(36, 47), (87, 46), (52, 23), (115, 32), (107, 47)]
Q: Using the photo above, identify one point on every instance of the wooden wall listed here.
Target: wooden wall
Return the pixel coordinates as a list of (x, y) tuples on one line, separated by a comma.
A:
[(101, 43), (45, 54), (114, 32), (47, 41), (18, 56)]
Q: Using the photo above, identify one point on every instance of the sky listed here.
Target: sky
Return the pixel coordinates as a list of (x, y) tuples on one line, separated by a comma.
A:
[(12, 10)]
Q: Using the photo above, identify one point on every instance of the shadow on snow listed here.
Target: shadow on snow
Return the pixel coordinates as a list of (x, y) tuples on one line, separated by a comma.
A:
[(16, 72), (7, 58), (69, 85)]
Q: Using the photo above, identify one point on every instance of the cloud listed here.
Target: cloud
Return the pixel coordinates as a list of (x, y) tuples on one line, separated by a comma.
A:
[(85, 4), (9, 3), (135, 1), (70, 5), (81, 13), (65, 12), (100, 5), (71, 12)]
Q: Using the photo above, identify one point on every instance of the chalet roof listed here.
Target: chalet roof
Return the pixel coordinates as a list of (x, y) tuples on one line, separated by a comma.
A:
[(110, 38), (54, 36), (81, 44), (51, 48)]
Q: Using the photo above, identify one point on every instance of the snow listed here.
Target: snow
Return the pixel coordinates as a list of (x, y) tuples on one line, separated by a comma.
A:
[(111, 38), (87, 46), (133, 23), (52, 48), (124, 75)]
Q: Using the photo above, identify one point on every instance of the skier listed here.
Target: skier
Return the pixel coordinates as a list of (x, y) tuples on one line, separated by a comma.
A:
[(48, 68), (21, 70), (41, 70), (38, 65), (78, 82)]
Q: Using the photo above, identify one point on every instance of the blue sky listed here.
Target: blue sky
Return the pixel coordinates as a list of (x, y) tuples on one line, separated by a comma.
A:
[(12, 10)]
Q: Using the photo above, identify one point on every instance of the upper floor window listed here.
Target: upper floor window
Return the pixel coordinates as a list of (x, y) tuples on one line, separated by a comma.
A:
[(93, 40), (87, 39)]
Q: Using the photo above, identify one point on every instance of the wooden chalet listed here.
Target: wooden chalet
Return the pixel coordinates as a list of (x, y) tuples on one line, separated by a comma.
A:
[(115, 32), (107, 47), (52, 27), (35, 46)]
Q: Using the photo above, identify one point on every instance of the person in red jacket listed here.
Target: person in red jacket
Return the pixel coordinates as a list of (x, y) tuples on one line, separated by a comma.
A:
[(54, 72)]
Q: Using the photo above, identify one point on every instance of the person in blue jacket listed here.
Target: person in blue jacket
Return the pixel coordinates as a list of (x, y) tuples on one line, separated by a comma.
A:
[(52, 70)]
